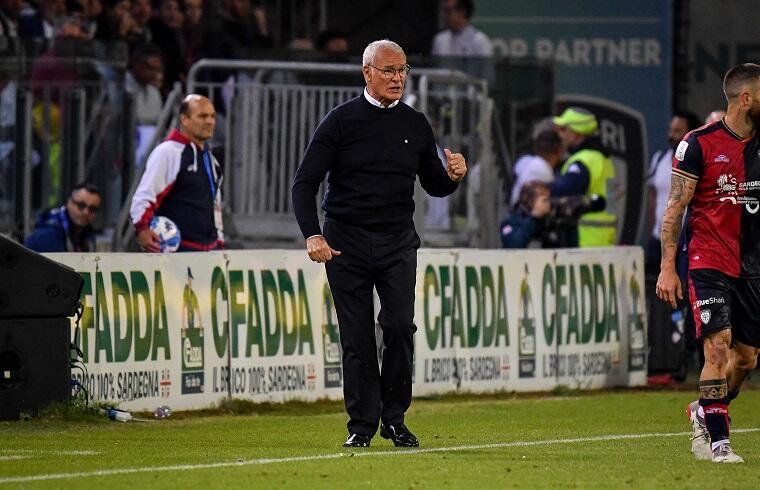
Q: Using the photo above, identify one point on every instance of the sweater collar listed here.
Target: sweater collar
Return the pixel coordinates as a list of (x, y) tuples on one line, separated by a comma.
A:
[(177, 136), (376, 102)]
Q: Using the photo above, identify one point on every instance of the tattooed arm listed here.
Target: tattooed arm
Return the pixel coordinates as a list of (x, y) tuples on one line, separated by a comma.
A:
[(682, 186)]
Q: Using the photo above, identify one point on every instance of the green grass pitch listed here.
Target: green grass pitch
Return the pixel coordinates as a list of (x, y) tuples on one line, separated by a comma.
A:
[(618, 439)]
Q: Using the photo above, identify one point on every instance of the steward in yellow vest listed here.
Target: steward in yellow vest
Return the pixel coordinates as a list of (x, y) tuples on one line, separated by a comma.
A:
[(586, 172)]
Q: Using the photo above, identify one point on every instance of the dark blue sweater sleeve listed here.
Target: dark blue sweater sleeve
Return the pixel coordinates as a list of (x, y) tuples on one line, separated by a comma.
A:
[(575, 181), (518, 230), (317, 160), (431, 171), (45, 239)]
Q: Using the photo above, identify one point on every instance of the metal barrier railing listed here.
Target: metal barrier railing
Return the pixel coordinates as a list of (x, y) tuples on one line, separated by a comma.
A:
[(65, 129), (267, 112), (59, 140)]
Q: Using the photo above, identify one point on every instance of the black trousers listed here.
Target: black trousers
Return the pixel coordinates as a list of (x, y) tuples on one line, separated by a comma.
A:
[(386, 261)]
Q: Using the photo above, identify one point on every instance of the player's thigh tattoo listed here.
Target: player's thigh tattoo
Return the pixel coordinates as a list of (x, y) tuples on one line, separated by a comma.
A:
[(713, 389)]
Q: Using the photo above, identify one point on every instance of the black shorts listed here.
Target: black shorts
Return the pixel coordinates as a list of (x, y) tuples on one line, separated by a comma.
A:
[(719, 301)]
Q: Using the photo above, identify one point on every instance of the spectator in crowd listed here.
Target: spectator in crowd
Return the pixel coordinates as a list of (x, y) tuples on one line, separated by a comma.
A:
[(91, 10), (141, 12), (301, 44), (195, 32), (68, 228), (183, 182), (9, 14), (460, 38), (548, 153), (715, 115), (145, 75), (39, 24), (54, 71), (586, 172), (53, 65), (658, 184), (166, 32), (240, 29), (114, 20), (116, 23), (525, 226), (333, 44)]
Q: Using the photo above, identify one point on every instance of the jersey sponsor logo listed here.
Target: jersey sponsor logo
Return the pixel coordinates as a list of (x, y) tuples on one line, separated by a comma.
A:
[(749, 186), (705, 316), (681, 150), (750, 203), (727, 183), (709, 301), (721, 159)]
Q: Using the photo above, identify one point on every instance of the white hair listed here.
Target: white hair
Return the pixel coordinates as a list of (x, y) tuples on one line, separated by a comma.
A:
[(370, 52)]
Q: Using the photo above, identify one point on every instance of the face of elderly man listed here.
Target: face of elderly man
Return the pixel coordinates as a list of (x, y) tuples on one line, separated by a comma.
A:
[(385, 76)]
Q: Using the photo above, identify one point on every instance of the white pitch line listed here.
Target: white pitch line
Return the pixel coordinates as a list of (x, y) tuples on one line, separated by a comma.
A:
[(13, 457), (356, 454)]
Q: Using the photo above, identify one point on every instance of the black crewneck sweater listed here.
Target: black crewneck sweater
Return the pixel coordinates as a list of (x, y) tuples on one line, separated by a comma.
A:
[(373, 156)]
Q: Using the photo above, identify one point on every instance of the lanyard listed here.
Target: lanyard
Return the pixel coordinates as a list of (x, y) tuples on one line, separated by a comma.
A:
[(209, 173), (64, 218)]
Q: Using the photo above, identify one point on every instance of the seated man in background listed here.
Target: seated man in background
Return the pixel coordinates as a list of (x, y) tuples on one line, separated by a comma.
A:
[(68, 228)]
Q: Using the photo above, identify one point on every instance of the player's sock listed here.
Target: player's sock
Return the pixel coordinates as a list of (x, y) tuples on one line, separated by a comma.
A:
[(714, 400)]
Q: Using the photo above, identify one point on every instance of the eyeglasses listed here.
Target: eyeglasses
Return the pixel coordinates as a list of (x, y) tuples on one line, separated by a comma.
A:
[(83, 205), (391, 72)]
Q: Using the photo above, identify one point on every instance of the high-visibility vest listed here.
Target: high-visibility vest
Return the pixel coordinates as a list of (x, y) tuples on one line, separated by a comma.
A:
[(597, 229)]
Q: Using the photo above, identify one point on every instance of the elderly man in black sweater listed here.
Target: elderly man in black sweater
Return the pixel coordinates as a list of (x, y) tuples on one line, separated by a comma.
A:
[(373, 148)]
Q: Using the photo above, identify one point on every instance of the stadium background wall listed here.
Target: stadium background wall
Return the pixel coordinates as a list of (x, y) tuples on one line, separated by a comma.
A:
[(487, 321)]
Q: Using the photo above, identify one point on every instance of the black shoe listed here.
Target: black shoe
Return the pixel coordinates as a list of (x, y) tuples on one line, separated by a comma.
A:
[(399, 434), (357, 440)]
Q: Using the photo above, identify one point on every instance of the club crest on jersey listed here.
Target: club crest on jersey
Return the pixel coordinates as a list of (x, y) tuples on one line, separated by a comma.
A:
[(681, 150), (727, 183), (705, 315), (722, 159)]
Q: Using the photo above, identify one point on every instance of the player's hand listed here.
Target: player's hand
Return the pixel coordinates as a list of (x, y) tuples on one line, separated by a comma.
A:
[(455, 165), (319, 250), (149, 241), (669, 287)]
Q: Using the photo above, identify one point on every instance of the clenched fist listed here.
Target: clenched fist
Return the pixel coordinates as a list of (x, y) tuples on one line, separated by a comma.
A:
[(455, 165)]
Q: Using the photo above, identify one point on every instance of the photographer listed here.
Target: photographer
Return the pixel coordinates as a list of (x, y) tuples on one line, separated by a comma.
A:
[(539, 220), (561, 224)]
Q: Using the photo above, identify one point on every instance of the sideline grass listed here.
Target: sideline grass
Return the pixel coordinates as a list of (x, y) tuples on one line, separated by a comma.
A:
[(291, 431)]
